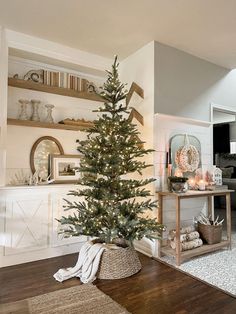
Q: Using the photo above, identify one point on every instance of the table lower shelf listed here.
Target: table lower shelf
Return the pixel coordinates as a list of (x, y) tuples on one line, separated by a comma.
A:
[(206, 248)]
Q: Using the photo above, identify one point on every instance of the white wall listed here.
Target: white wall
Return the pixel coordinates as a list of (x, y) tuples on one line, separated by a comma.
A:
[(185, 85), (139, 68)]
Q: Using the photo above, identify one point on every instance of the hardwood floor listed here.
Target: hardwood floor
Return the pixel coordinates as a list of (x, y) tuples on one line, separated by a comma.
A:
[(156, 289)]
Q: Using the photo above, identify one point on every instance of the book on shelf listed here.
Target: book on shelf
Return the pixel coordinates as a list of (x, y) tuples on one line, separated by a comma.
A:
[(65, 80)]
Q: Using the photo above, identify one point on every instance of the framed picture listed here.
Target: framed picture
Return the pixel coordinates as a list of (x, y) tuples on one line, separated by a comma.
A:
[(64, 168)]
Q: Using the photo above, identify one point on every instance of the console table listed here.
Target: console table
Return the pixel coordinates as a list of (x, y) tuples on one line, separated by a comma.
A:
[(180, 256)]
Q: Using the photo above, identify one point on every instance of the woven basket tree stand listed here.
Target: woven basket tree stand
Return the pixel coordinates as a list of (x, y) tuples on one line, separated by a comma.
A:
[(120, 263)]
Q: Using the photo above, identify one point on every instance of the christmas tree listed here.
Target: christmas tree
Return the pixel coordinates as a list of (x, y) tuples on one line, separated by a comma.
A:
[(112, 207)]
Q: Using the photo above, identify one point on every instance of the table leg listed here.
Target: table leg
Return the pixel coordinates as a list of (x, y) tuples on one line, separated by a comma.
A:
[(228, 218), (178, 259)]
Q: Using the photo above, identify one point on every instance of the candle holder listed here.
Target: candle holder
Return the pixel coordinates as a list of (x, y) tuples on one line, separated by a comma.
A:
[(35, 109), (23, 113), (202, 185), (49, 118), (192, 184)]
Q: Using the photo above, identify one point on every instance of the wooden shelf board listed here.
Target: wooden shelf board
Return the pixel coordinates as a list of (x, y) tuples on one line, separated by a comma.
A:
[(35, 124), (52, 89), (206, 248)]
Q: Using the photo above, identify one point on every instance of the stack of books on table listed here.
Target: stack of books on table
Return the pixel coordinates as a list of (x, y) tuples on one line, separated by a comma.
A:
[(217, 187)]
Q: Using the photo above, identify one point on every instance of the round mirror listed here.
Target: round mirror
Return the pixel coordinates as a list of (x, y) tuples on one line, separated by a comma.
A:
[(40, 152)]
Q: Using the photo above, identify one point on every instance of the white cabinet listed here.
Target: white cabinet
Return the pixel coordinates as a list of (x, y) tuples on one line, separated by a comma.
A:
[(57, 239), (26, 222), (28, 226)]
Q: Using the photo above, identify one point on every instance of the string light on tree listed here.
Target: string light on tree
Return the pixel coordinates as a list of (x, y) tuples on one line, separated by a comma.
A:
[(110, 153)]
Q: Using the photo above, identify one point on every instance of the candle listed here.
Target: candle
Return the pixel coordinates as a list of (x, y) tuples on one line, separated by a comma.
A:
[(178, 173), (201, 185), (167, 160), (191, 183)]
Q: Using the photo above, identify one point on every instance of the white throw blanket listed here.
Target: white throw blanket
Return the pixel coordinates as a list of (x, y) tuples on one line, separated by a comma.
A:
[(87, 264)]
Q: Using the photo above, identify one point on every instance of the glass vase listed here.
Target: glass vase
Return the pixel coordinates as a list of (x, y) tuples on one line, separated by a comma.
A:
[(23, 109), (35, 110), (49, 118)]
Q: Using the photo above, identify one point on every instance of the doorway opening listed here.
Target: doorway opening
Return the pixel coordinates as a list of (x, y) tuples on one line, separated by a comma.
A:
[(224, 147)]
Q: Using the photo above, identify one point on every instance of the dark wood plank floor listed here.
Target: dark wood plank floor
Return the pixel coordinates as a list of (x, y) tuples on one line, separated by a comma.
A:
[(157, 289)]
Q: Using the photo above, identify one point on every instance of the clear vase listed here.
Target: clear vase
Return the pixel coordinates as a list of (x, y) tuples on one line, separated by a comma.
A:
[(49, 118), (35, 110), (23, 107)]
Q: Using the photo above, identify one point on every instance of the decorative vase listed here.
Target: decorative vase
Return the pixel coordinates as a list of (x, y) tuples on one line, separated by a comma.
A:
[(178, 187), (23, 113), (35, 109), (49, 118)]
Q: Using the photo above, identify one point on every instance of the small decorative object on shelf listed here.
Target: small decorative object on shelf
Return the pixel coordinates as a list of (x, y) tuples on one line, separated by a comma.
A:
[(217, 175), (37, 179), (23, 113), (80, 122), (177, 184), (21, 177), (210, 230), (34, 75), (49, 118), (208, 177), (91, 88), (35, 109)]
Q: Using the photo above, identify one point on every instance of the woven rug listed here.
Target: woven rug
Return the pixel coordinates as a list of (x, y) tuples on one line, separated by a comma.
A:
[(217, 269), (83, 299)]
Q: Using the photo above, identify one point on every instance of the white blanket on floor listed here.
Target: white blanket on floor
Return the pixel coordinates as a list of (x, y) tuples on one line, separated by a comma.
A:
[(86, 266)]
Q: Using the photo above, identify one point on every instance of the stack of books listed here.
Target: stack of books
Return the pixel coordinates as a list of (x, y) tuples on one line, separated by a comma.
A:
[(217, 187), (65, 80)]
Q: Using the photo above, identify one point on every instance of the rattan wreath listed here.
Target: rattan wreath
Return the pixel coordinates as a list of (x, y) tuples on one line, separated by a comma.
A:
[(187, 158), (120, 263)]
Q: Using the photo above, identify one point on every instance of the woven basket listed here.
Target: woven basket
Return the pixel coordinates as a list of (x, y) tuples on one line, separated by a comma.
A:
[(116, 264), (209, 233)]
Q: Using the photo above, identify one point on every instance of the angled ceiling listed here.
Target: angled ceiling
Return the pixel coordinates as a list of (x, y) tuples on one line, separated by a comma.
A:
[(204, 28)]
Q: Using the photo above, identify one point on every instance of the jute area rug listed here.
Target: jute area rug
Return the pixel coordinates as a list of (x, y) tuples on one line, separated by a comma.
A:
[(83, 299)]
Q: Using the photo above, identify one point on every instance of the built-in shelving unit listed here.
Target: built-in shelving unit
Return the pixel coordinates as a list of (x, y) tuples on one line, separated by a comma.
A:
[(79, 127), (52, 89)]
